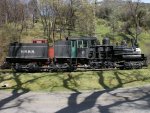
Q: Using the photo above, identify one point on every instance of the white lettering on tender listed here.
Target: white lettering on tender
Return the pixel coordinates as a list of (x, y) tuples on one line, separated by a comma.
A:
[(28, 51)]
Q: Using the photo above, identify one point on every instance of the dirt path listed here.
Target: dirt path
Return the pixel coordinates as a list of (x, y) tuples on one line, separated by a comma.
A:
[(131, 100)]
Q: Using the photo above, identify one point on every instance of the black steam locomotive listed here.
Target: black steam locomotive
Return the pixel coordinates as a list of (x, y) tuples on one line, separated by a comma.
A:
[(74, 53)]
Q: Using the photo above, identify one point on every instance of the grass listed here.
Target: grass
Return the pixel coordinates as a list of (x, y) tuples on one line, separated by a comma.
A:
[(75, 81)]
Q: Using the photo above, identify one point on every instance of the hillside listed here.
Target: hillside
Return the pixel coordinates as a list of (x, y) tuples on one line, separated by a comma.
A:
[(52, 20)]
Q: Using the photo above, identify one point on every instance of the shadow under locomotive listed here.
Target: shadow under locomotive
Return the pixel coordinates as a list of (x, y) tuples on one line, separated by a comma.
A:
[(74, 53)]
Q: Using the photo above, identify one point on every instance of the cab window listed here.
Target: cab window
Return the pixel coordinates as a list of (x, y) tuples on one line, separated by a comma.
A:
[(80, 44), (85, 43), (93, 42), (73, 43)]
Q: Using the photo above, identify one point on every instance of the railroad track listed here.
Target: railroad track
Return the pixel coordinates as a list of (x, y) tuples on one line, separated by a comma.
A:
[(6, 71), (77, 70)]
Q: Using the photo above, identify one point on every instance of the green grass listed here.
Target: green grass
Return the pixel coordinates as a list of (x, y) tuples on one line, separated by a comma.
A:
[(144, 42), (75, 81)]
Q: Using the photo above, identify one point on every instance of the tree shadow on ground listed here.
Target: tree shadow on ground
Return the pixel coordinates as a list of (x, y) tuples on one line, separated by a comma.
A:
[(124, 98), (17, 91), (91, 101), (116, 76), (66, 81), (127, 100), (73, 106)]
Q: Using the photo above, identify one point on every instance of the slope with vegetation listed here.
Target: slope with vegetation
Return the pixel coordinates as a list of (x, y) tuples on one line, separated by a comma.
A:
[(57, 19)]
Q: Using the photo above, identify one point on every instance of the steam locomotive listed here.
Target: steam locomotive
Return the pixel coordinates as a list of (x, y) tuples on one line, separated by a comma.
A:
[(73, 53)]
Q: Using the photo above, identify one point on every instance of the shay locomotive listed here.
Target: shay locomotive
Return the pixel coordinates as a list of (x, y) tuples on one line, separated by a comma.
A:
[(74, 53)]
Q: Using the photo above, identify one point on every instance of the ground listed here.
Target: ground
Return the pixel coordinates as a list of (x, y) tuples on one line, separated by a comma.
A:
[(125, 100), (76, 92)]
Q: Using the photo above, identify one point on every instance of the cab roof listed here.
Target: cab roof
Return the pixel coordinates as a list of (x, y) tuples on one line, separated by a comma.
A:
[(82, 38)]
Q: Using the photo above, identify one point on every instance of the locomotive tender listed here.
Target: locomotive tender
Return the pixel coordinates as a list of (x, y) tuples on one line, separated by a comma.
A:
[(74, 53)]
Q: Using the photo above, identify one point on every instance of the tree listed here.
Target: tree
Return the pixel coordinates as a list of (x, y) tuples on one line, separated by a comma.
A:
[(12, 22), (32, 7), (85, 17), (134, 19)]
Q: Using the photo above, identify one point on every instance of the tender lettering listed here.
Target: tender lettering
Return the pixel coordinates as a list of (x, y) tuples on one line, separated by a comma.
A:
[(27, 51)]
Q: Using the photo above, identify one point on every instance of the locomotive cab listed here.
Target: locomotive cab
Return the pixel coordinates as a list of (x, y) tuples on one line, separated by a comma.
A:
[(74, 49)]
